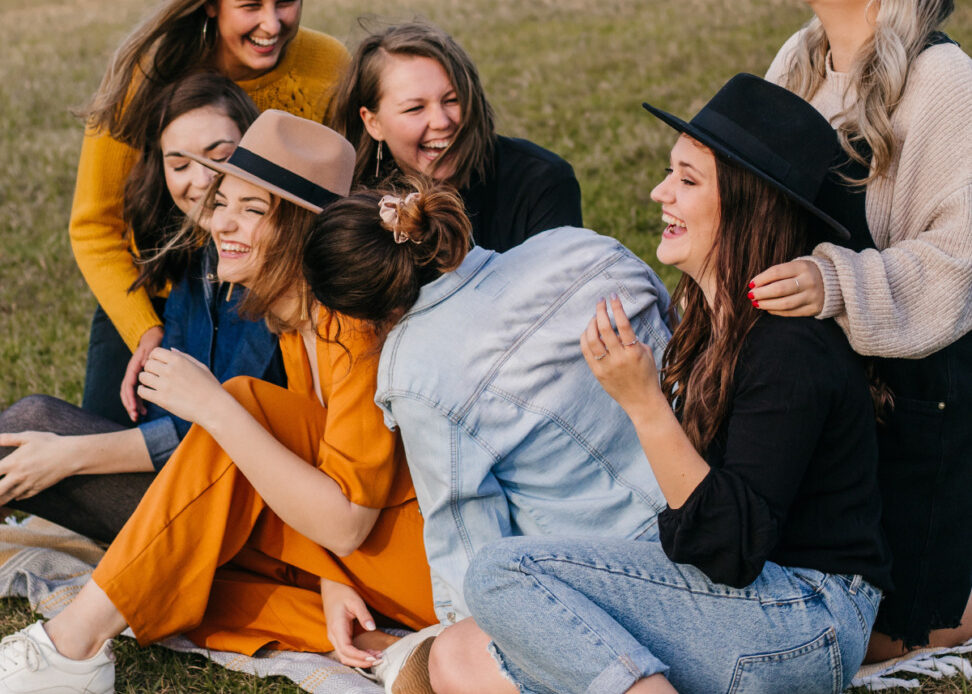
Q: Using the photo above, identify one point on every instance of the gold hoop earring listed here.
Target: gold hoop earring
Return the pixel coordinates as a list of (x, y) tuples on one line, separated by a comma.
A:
[(867, 13), (378, 159)]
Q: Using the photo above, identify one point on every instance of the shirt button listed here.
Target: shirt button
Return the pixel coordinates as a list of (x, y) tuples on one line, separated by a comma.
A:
[(211, 276), (941, 405), (451, 617)]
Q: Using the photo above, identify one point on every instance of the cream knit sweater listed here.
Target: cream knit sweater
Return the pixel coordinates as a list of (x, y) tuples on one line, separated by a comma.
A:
[(913, 297)]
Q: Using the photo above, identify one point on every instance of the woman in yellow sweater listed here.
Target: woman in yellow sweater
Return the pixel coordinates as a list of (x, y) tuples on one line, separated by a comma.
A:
[(260, 46)]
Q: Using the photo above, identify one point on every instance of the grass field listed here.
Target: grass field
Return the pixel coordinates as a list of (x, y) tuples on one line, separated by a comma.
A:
[(567, 74)]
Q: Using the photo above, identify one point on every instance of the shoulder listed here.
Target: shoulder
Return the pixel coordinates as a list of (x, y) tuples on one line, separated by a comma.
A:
[(516, 154), (941, 76), (798, 346), (315, 47), (780, 65)]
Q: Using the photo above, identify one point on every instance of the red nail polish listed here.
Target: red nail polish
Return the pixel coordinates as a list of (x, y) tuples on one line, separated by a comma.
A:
[(756, 304), (751, 295), (752, 285)]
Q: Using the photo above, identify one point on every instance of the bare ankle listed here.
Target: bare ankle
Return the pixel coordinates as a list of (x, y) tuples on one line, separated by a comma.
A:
[(71, 643)]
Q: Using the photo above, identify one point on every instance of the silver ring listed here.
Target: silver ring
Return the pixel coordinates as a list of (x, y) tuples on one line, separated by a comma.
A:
[(797, 283), (630, 344), (599, 357)]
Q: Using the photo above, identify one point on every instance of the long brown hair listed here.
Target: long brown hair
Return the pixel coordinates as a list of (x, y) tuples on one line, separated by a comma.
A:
[(472, 146), (759, 227), (354, 266), (149, 212)]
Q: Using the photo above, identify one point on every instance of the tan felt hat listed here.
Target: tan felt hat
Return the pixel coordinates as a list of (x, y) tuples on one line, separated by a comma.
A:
[(297, 159)]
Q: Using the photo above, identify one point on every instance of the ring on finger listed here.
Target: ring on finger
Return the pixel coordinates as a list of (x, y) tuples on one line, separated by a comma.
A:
[(797, 283), (630, 344), (599, 357)]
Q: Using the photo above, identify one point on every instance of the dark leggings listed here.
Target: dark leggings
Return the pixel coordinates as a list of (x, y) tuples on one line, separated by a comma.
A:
[(96, 506)]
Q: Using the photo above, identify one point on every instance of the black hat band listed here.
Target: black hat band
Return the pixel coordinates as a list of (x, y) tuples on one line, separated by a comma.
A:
[(757, 153), (295, 184)]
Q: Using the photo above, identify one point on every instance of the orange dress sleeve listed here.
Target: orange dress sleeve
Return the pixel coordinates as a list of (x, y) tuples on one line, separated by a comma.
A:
[(358, 451)]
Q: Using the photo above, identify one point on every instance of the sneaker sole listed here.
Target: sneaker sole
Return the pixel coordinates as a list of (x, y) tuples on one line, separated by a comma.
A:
[(414, 675)]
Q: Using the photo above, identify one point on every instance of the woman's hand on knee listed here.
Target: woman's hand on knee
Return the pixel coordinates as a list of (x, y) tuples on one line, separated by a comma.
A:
[(41, 460), (342, 608), (133, 404), (789, 289)]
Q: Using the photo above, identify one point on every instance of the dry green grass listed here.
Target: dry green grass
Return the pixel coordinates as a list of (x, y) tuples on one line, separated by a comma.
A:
[(568, 74)]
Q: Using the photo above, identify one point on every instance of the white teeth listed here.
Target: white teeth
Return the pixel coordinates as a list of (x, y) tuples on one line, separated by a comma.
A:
[(438, 144), (233, 247), (668, 219), (263, 42)]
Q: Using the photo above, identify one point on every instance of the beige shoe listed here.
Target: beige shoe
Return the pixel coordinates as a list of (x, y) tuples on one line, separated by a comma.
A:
[(404, 666)]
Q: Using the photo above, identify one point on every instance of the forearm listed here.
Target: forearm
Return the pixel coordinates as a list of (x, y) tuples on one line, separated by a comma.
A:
[(117, 451), (304, 497), (678, 467), (97, 231)]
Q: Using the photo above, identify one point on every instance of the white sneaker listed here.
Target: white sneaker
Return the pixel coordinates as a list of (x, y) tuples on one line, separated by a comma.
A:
[(404, 666), (29, 662)]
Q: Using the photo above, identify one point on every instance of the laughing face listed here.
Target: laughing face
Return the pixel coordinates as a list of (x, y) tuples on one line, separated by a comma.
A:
[(252, 34), (417, 116), (206, 132), (238, 222), (689, 196)]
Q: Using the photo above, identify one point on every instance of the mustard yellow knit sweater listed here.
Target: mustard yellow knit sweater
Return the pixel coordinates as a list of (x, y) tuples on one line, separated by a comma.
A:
[(302, 84)]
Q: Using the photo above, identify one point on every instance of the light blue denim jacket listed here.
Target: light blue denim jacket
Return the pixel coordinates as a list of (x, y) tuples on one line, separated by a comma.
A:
[(506, 430)]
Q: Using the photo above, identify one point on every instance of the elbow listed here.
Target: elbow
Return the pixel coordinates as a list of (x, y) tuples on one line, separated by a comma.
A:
[(354, 534)]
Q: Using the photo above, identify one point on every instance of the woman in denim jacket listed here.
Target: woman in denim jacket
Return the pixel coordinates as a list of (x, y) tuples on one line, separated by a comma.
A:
[(769, 562), (506, 431), (84, 471)]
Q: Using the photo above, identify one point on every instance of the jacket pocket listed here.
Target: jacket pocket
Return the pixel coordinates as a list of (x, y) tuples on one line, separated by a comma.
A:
[(814, 666)]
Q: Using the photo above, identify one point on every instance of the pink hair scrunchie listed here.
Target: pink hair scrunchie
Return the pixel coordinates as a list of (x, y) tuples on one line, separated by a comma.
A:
[(388, 208)]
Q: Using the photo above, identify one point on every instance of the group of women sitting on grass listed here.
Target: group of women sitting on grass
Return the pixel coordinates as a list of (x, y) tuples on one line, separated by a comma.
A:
[(394, 381)]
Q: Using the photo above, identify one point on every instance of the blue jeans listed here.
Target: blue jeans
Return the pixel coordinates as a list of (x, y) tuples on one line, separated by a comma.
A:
[(598, 615)]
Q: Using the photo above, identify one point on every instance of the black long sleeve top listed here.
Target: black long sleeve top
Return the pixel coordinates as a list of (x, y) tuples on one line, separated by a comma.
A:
[(529, 190), (793, 467)]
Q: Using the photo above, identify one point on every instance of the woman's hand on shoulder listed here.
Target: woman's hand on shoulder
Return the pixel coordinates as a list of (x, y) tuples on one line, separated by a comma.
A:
[(150, 339), (789, 289), (623, 365), (41, 460), (342, 608), (181, 384)]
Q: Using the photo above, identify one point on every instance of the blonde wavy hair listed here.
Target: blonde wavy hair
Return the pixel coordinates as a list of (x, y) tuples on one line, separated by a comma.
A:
[(879, 74)]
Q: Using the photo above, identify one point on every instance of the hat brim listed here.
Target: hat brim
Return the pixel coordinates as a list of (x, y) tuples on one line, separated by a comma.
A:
[(232, 170), (723, 150)]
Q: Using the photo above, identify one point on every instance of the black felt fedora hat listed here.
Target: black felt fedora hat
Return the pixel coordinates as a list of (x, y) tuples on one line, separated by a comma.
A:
[(770, 131)]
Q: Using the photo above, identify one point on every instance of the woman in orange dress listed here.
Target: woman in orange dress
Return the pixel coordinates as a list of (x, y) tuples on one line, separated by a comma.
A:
[(276, 496)]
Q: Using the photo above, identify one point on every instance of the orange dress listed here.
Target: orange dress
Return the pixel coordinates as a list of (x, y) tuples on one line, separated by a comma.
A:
[(204, 555)]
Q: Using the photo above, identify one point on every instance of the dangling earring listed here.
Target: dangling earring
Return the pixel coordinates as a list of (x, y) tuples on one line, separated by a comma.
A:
[(229, 292), (303, 303), (378, 159)]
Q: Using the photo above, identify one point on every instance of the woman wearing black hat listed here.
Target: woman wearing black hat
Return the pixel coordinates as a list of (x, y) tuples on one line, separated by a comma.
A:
[(900, 94), (768, 564)]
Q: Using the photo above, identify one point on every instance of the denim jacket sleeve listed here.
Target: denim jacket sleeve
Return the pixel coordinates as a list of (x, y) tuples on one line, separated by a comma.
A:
[(462, 513)]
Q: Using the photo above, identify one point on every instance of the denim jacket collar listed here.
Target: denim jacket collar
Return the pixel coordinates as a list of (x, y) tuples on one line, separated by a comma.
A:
[(448, 284)]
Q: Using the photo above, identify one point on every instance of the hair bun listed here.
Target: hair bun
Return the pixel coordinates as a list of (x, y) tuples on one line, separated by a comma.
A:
[(433, 219)]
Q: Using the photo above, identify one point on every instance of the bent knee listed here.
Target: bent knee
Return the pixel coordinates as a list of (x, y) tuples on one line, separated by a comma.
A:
[(33, 413), (449, 666), (494, 569)]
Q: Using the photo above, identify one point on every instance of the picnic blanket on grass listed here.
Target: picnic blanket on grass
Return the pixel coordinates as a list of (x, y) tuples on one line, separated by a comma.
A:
[(48, 564)]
